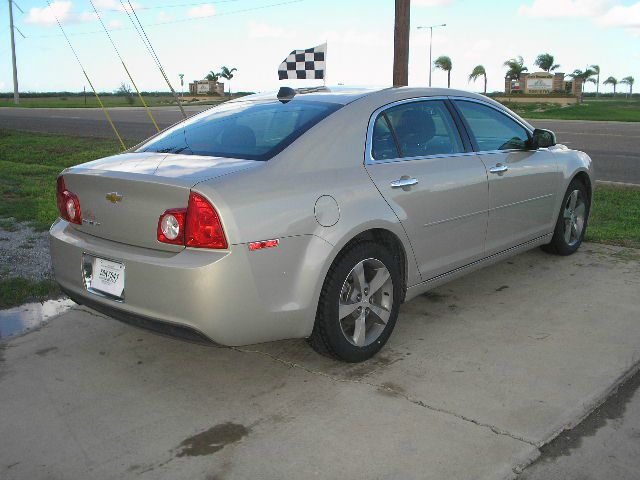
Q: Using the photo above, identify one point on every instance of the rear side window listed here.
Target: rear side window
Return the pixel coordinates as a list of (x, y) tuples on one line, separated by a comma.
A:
[(422, 128), (384, 145), (492, 129), (248, 130)]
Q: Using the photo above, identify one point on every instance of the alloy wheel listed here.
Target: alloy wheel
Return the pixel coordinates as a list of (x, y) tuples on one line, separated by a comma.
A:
[(574, 216), (365, 303)]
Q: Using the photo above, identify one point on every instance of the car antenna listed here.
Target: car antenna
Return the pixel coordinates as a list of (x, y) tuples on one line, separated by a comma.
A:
[(286, 94)]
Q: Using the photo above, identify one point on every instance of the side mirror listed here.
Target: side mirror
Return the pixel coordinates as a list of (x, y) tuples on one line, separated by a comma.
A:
[(542, 139)]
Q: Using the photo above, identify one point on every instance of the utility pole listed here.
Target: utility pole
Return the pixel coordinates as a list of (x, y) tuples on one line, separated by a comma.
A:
[(401, 44), (16, 95), (431, 47)]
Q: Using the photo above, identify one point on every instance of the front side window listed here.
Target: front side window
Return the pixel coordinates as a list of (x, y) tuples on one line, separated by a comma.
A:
[(423, 128), (248, 130), (492, 129)]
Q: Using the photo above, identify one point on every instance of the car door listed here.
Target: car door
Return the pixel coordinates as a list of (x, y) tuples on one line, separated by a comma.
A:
[(523, 183), (437, 187)]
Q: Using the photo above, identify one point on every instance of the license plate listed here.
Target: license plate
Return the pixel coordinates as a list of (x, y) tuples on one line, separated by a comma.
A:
[(107, 277)]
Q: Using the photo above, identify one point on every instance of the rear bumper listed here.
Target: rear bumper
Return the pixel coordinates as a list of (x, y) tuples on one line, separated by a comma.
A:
[(232, 297)]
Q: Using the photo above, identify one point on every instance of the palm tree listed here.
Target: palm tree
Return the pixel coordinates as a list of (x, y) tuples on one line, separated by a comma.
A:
[(212, 76), (444, 63), (515, 67), (584, 76), (545, 62), (596, 71), (629, 81), (228, 74), (477, 72), (612, 81)]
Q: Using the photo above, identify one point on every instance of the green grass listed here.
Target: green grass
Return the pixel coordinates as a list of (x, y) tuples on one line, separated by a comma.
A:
[(16, 291), (591, 109), (30, 164), (77, 101), (615, 218)]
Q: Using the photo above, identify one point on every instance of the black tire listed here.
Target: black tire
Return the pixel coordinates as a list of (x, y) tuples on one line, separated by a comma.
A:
[(328, 337), (559, 245)]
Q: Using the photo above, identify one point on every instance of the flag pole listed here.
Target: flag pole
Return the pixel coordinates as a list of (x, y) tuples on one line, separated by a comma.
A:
[(324, 77)]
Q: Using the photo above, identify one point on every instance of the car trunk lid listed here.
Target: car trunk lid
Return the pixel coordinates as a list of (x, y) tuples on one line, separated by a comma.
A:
[(122, 197)]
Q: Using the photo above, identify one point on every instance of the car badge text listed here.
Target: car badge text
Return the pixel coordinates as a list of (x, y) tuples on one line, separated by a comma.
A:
[(114, 197)]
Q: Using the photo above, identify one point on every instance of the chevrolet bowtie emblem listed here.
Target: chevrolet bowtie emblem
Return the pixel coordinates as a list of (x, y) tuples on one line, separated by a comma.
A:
[(113, 197)]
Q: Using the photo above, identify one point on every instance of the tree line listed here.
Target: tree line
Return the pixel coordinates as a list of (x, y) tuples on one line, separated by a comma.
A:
[(546, 62)]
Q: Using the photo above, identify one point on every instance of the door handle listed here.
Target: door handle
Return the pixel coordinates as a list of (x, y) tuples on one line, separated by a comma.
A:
[(404, 182), (499, 169)]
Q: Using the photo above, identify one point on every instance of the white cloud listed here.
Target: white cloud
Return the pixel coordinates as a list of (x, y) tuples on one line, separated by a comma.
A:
[(206, 10), (115, 5), (431, 3), (115, 24), (357, 36), (47, 15), (264, 30), (622, 16), (163, 16), (564, 8)]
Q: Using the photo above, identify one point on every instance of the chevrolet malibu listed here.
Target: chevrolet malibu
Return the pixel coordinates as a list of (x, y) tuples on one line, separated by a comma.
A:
[(313, 213)]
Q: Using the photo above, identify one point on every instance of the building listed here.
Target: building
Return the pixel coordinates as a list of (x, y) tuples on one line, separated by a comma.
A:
[(206, 87), (543, 83)]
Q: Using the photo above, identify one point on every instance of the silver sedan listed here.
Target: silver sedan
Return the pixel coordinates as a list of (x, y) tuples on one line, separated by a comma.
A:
[(313, 213)]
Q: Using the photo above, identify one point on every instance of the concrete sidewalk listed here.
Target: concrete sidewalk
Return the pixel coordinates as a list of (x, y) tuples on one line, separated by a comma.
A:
[(477, 375)]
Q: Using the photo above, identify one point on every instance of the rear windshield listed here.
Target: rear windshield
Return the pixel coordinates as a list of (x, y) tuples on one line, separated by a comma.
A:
[(254, 131)]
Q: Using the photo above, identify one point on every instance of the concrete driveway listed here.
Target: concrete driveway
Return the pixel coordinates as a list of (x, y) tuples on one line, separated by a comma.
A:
[(477, 375)]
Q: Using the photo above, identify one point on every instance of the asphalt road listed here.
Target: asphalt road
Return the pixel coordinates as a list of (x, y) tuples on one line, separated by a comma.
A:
[(613, 146)]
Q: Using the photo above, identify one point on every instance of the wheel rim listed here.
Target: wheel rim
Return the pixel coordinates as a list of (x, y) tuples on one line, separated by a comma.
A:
[(575, 211), (365, 302)]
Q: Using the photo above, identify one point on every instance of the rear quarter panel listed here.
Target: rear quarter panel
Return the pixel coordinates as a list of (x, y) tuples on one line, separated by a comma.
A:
[(277, 200)]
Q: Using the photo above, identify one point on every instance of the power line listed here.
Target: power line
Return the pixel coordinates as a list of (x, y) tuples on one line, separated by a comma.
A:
[(157, 7), (181, 20), (125, 67), (106, 112), (152, 52)]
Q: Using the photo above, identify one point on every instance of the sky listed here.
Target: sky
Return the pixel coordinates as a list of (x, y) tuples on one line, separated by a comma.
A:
[(194, 36)]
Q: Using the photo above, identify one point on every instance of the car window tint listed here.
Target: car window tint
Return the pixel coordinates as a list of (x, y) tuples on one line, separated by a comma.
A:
[(383, 144), (492, 129), (425, 128), (251, 130)]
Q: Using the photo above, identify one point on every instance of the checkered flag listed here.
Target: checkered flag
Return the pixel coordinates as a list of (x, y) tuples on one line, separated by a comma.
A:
[(304, 64)]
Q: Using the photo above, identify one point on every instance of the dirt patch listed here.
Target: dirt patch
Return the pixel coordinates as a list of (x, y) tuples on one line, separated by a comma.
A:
[(212, 440), (43, 352), (435, 297), (390, 389)]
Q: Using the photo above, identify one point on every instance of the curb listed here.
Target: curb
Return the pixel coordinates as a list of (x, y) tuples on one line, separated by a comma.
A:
[(578, 415), (606, 183)]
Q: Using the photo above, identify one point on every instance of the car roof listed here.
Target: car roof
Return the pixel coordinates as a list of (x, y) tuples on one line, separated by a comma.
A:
[(346, 94)]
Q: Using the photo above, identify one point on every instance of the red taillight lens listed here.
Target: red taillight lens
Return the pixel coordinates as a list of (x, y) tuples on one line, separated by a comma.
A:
[(204, 228), (171, 226), (197, 226), (68, 203)]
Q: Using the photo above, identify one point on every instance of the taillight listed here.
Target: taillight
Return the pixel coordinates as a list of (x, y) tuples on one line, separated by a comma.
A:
[(197, 226), (68, 203), (171, 226)]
